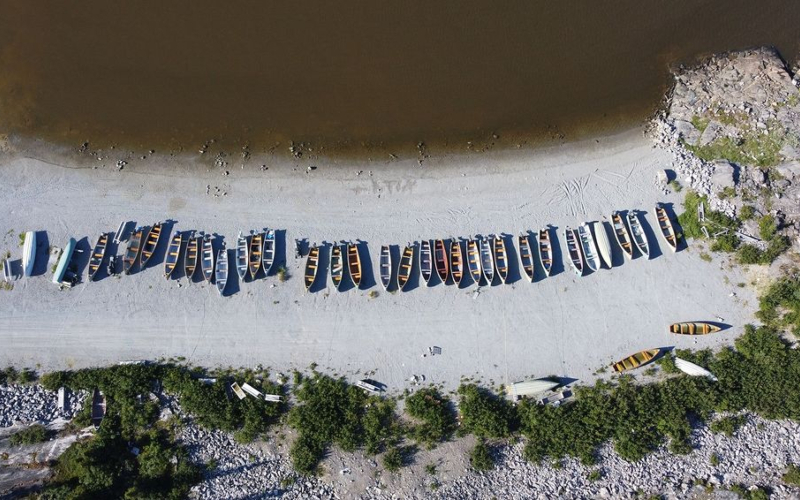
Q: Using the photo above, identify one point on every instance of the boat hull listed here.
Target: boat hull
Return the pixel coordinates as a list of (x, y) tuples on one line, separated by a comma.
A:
[(622, 234), (98, 255), (545, 251), (603, 244), (386, 267), (474, 261), (425, 261), (696, 328), (635, 360), (312, 266), (441, 260), (525, 256), (405, 268), (29, 253), (456, 262)]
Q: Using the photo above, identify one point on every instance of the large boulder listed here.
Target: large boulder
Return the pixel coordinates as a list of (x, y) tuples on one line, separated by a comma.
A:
[(725, 174)]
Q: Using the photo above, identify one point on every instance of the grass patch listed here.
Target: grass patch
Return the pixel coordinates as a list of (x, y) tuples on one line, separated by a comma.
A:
[(747, 212), (792, 475), (480, 458), (728, 425), (700, 123), (675, 185), (32, 435), (706, 257), (751, 148), (716, 222), (767, 227)]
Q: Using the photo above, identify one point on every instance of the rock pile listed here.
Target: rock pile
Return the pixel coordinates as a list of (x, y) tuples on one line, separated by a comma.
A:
[(743, 108), (33, 403)]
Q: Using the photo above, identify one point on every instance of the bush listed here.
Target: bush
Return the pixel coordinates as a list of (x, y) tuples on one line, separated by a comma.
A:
[(792, 475), (436, 414), (480, 459), (716, 221), (767, 227), (381, 427), (728, 425), (747, 212), (779, 307), (32, 435), (483, 413), (393, 459), (749, 254)]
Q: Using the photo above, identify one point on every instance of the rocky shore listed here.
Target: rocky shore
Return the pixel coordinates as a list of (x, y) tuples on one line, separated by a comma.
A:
[(28, 404)]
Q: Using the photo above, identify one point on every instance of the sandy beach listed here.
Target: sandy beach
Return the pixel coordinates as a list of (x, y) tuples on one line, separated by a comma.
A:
[(562, 325)]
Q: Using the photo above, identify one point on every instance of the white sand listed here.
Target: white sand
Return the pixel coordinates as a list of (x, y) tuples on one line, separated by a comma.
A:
[(562, 325)]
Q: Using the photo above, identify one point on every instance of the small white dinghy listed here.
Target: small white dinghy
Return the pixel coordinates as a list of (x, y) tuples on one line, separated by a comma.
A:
[(527, 388), (29, 253), (589, 247), (242, 255), (692, 369), (221, 270), (603, 245)]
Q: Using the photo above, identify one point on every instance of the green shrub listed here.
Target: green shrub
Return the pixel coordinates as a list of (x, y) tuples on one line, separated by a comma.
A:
[(10, 375), (484, 414), (435, 413), (747, 212), (713, 459), (595, 475), (480, 458), (749, 254), (34, 434), (792, 475), (393, 459), (728, 425), (380, 425), (779, 306), (27, 376), (767, 227), (667, 364), (715, 222)]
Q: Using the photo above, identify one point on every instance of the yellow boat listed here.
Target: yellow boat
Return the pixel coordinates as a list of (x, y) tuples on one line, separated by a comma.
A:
[(635, 360), (693, 328)]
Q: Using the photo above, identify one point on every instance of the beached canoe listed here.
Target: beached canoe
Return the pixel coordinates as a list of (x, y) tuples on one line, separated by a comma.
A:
[(500, 258), (386, 267), (697, 328), (221, 271), (666, 227), (603, 245), (354, 263), (635, 360), (98, 254), (425, 261), (190, 257), (134, 247), (692, 369), (474, 261), (29, 253), (525, 256), (441, 260), (312, 265), (487, 260), (151, 243), (639, 237), (406, 267), (574, 250), (589, 247), (63, 261), (456, 261), (173, 254), (254, 257), (207, 258), (545, 251), (622, 234), (337, 265), (242, 256), (268, 254), (528, 388)]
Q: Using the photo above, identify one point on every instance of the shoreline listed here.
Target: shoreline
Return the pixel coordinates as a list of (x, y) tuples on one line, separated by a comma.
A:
[(565, 326)]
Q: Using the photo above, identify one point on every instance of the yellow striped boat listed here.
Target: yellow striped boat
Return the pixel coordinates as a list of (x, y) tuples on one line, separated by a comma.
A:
[(635, 360), (699, 328)]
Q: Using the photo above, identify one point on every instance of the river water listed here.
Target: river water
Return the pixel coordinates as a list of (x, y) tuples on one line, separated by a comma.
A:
[(356, 77)]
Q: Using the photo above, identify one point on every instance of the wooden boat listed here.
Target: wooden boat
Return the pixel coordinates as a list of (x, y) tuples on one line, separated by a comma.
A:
[(698, 328), (354, 263), (474, 261), (441, 260), (29, 253), (132, 252), (574, 250), (425, 261), (242, 256), (386, 267), (545, 251), (692, 369), (487, 261), (173, 254), (635, 360), (622, 234), (312, 264), (638, 233), (500, 258), (98, 254), (150, 244), (337, 265), (588, 247), (525, 256), (456, 261), (268, 255), (190, 257), (603, 245), (254, 256), (667, 229), (406, 266), (221, 271), (207, 258), (98, 407)]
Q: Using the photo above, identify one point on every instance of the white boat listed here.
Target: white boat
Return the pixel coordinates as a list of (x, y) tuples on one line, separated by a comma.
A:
[(63, 261), (589, 247), (268, 254), (221, 271), (249, 389), (638, 233), (120, 232), (574, 250), (487, 260), (527, 388), (238, 391), (29, 253), (603, 245), (693, 369), (622, 234), (242, 255)]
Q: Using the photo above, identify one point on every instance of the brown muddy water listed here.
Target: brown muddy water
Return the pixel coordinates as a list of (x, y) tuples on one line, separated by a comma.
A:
[(357, 76)]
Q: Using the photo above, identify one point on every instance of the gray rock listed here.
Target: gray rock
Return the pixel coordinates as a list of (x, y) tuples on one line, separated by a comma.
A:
[(758, 176), (724, 174)]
